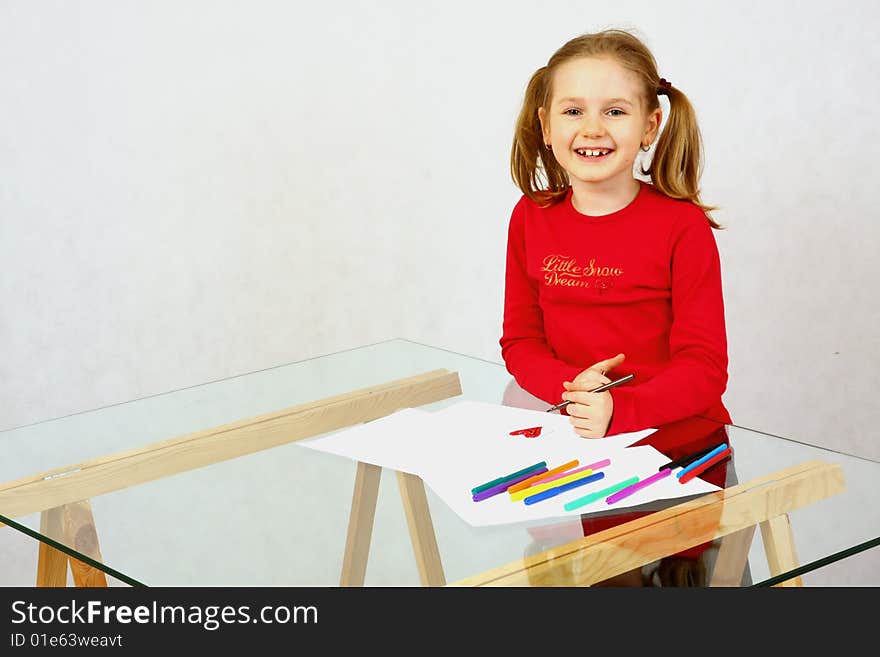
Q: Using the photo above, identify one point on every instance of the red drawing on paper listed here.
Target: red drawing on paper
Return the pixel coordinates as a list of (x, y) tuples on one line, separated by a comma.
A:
[(531, 432)]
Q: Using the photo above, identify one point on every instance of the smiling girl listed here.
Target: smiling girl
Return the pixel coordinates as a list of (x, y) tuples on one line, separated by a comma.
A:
[(606, 271)]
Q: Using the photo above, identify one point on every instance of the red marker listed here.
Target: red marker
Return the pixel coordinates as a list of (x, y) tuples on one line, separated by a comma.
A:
[(700, 469)]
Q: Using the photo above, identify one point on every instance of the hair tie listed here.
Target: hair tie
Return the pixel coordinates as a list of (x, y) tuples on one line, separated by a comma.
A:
[(665, 86)]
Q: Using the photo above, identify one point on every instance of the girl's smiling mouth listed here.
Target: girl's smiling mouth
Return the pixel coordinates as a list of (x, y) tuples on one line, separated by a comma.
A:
[(593, 155)]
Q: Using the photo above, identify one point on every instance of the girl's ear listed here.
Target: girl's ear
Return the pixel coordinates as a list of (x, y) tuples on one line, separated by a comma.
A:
[(654, 121), (542, 117)]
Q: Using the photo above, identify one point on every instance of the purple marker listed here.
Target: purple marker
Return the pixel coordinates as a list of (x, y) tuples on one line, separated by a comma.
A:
[(500, 488), (629, 490)]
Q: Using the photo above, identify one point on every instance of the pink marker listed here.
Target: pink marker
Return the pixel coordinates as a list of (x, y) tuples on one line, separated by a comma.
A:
[(592, 466), (629, 490)]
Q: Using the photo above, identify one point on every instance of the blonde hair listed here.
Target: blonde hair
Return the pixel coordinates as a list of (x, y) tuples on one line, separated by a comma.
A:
[(677, 163)]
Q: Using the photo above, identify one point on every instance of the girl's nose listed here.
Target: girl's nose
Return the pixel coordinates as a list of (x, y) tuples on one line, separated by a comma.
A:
[(591, 126)]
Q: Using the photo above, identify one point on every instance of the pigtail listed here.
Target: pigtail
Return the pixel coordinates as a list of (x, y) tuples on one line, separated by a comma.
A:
[(676, 167), (532, 165)]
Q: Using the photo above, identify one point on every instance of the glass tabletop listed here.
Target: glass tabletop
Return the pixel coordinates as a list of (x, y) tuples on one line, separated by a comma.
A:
[(280, 516)]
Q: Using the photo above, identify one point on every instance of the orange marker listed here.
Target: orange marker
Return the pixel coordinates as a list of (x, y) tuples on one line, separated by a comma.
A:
[(538, 477)]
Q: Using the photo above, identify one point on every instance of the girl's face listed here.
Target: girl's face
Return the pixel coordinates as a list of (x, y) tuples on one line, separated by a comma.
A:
[(596, 105)]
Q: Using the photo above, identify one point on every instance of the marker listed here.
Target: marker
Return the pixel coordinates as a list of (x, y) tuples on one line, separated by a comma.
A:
[(553, 492), (545, 479), (593, 466), (700, 469), (684, 461), (592, 497), (540, 477), (495, 482), (629, 490), (503, 486), (532, 490), (701, 460), (602, 388)]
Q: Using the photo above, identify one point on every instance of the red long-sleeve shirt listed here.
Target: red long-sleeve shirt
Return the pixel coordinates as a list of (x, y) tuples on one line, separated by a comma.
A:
[(644, 281)]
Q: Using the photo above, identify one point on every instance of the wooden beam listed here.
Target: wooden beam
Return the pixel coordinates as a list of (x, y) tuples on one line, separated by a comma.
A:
[(360, 524), (732, 557), (421, 529), (80, 534), (162, 459), (779, 548), (51, 563)]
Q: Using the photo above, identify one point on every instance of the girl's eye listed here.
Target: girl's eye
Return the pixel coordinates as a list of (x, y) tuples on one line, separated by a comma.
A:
[(571, 110), (617, 110)]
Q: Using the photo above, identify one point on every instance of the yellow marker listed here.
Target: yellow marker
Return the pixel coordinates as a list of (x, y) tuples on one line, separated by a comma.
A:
[(540, 488)]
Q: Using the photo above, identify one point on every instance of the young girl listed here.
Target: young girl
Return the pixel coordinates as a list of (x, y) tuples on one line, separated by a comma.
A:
[(606, 272)]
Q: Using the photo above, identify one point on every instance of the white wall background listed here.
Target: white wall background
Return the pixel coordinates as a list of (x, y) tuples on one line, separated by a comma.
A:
[(193, 190)]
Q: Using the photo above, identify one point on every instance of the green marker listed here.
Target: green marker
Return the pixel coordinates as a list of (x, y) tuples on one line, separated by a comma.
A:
[(501, 480), (592, 497)]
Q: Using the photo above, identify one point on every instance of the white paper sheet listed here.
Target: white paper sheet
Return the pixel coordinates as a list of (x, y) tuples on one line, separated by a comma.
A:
[(468, 443), (397, 441)]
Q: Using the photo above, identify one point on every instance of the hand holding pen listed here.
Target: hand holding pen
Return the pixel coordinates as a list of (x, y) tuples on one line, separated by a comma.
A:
[(602, 388), (593, 415), (592, 378)]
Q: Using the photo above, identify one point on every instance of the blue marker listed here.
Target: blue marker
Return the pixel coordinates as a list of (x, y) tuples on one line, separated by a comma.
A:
[(553, 492), (701, 460)]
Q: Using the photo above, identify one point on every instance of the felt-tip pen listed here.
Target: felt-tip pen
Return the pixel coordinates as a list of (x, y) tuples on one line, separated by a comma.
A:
[(602, 388)]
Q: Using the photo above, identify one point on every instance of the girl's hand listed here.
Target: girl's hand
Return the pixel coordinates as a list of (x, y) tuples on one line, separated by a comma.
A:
[(590, 413)]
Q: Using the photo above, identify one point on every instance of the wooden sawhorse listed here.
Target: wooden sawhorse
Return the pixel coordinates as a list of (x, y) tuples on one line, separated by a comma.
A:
[(61, 495)]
